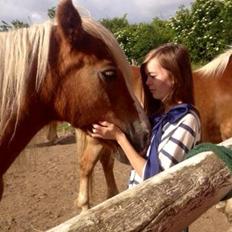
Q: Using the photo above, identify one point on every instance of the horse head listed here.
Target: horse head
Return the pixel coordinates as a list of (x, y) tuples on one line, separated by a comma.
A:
[(88, 77)]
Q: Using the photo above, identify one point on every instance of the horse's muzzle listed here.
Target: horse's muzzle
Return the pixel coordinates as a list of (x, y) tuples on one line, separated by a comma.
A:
[(139, 135)]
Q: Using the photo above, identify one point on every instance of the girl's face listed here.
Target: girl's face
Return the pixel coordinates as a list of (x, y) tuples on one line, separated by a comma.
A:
[(159, 81)]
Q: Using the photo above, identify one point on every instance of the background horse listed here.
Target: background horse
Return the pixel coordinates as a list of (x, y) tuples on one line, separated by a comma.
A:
[(213, 98), (72, 71)]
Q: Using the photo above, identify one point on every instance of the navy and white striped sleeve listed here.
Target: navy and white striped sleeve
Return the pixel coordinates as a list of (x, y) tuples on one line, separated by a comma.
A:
[(178, 140)]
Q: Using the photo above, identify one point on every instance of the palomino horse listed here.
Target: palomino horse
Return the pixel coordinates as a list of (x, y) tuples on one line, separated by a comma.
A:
[(71, 71), (213, 98)]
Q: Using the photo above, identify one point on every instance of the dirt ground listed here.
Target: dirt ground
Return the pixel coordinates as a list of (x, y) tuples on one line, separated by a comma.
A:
[(42, 184)]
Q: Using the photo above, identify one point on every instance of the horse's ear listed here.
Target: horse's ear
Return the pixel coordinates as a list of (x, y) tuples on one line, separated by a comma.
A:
[(69, 21)]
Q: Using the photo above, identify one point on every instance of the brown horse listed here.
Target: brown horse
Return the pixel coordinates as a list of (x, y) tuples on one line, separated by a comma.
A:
[(213, 98), (73, 70)]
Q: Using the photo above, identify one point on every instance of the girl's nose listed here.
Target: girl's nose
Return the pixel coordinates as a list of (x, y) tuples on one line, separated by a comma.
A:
[(148, 81)]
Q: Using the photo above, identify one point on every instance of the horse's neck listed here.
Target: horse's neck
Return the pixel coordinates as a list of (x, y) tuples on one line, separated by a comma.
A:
[(17, 135)]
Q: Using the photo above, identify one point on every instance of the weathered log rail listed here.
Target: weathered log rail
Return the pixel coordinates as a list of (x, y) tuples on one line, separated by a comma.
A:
[(167, 202)]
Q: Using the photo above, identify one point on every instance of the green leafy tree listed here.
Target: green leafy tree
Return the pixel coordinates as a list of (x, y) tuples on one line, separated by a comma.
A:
[(227, 21), (5, 26), (115, 24), (13, 25), (162, 27), (51, 12), (149, 36), (138, 39), (201, 29)]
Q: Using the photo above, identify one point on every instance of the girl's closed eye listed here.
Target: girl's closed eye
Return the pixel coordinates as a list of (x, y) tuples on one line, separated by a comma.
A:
[(152, 75), (149, 74)]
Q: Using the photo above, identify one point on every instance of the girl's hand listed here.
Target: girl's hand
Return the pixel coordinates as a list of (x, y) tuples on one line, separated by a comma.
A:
[(106, 130)]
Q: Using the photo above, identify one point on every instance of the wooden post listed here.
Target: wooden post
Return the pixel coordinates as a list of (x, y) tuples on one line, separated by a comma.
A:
[(167, 202), (52, 131)]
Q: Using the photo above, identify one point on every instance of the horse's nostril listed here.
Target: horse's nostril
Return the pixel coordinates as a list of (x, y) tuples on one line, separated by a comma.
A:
[(147, 137), (146, 141)]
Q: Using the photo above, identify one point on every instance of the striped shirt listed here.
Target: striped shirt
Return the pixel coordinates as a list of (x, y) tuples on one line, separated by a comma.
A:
[(176, 140)]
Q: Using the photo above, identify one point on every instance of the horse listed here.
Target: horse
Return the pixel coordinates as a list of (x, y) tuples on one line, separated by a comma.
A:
[(212, 85), (213, 97), (70, 70)]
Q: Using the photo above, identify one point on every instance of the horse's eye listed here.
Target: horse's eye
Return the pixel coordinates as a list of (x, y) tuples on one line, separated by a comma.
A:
[(108, 75)]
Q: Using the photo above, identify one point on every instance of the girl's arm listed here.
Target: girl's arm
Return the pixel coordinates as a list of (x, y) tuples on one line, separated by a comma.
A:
[(106, 130)]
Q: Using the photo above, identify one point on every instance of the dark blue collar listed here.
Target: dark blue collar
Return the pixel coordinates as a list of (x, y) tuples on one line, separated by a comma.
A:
[(172, 116)]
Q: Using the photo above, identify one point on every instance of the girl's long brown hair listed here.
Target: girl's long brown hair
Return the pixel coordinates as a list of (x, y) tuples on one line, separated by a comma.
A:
[(176, 60)]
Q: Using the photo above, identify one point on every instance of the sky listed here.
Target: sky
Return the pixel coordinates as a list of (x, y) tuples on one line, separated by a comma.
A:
[(35, 11)]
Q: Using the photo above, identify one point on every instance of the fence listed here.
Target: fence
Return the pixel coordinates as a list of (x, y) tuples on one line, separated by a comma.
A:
[(167, 202)]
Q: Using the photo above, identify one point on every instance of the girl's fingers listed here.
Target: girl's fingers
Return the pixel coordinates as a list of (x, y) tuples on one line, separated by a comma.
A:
[(96, 136), (104, 123), (98, 128), (101, 125), (95, 126), (97, 131), (103, 130), (93, 135)]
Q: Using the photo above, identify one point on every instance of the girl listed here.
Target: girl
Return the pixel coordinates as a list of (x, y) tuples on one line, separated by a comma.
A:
[(168, 84)]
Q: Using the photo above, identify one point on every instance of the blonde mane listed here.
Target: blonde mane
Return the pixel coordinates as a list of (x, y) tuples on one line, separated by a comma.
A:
[(18, 51), (217, 66), (98, 30), (21, 48)]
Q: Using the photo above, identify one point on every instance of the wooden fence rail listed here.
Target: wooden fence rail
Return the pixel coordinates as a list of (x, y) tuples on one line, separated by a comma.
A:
[(167, 202)]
